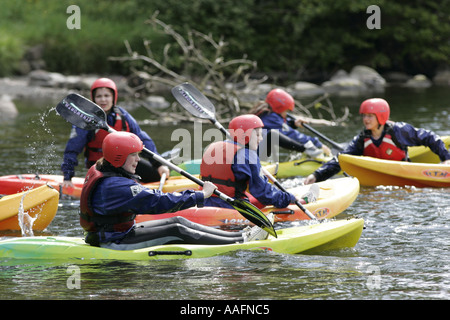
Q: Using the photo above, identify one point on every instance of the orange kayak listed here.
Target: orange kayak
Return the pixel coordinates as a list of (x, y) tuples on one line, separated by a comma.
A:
[(12, 184), (335, 196)]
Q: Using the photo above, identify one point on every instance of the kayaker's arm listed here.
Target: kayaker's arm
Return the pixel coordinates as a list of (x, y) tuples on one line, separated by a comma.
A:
[(408, 135), (332, 167), (75, 145)]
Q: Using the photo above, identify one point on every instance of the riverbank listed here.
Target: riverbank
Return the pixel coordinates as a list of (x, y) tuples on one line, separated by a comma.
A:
[(361, 80)]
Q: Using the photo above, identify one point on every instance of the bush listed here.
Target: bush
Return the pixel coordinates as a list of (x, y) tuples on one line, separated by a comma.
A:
[(11, 52)]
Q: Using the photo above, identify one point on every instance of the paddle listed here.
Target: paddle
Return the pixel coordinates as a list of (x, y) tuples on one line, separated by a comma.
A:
[(200, 106), (162, 181), (87, 115), (321, 135)]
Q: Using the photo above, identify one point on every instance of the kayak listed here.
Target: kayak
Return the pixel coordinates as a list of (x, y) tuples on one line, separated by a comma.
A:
[(335, 196), (318, 237), (12, 184), (303, 166), (423, 154), (40, 203), (373, 172), (300, 167)]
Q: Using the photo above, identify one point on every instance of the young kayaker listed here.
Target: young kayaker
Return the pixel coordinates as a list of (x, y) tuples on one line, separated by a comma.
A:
[(104, 93), (383, 139), (111, 197), (274, 114), (234, 166)]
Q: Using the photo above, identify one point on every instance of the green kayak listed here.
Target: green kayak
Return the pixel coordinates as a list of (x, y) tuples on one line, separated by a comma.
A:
[(311, 238)]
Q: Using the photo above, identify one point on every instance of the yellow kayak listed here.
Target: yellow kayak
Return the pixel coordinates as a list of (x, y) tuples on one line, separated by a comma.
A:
[(318, 237), (423, 154), (373, 172), (40, 203)]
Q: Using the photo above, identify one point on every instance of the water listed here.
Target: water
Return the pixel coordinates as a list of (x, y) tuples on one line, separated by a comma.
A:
[(402, 254)]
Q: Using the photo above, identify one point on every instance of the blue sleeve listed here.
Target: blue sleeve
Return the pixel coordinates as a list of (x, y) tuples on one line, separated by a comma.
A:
[(117, 195), (75, 145), (332, 167), (408, 135), (273, 120), (259, 186)]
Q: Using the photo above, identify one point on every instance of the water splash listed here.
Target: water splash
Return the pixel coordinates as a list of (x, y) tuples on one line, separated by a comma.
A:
[(25, 220), (42, 148)]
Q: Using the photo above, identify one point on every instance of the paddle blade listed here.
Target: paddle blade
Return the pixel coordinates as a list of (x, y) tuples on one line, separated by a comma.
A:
[(194, 101), (254, 215), (82, 112)]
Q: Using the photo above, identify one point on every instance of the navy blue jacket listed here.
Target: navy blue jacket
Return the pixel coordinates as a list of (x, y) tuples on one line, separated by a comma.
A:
[(114, 195), (404, 135), (273, 120), (79, 138)]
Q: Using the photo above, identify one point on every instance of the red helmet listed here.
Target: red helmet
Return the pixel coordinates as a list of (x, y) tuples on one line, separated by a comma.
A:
[(279, 100), (118, 145), (104, 83), (377, 106), (241, 127)]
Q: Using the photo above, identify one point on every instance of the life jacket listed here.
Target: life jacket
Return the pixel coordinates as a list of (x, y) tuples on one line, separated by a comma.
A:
[(92, 222), (216, 167), (93, 150), (387, 150)]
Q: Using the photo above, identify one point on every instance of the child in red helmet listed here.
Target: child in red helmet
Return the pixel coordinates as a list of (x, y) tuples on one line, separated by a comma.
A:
[(274, 114), (104, 93), (383, 139), (111, 197), (234, 166)]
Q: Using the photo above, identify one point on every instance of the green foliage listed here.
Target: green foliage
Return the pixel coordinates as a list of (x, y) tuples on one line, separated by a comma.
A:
[(289, 36), (11, 49)]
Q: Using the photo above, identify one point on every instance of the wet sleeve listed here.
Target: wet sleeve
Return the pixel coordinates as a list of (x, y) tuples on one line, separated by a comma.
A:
[(75, 145)]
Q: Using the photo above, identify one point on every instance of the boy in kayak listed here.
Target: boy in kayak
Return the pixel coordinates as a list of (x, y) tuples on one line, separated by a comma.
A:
[(234, 166), (104, 93), (274, 114), (383, 139), (111, 197)]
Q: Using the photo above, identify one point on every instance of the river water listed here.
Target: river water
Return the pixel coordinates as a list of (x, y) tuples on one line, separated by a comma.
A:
[(403, 252)]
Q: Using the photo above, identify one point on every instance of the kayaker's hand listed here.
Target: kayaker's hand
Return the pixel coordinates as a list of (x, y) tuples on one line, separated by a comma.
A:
[(208, 189), (164, 169), (299, 121), (67, 184), (326, 150), (446, 162), (310, 179)]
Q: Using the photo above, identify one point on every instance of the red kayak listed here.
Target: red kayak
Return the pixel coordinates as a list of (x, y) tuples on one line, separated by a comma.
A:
[(22, 182)]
